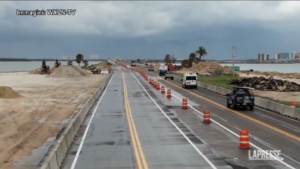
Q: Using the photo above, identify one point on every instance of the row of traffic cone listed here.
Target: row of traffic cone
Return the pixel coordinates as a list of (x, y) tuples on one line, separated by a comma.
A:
[(244, 142)]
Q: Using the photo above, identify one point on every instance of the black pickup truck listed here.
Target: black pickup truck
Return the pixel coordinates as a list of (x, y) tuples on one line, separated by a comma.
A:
[(240, 97)]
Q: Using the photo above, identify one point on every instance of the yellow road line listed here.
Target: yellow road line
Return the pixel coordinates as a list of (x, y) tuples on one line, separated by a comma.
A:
[(238, 113), (134, 136)]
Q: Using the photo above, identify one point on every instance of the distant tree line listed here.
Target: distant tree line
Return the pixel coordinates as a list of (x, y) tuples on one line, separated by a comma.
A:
[(14, 59)]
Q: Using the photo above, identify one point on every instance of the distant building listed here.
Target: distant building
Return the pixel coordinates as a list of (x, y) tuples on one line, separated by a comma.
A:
[(68, 57), (263, 57), (286, 56), (297, 56), (276, 56), (94, 57)]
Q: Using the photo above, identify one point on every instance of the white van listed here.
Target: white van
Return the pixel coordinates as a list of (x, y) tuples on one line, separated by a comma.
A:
[(189, 80)]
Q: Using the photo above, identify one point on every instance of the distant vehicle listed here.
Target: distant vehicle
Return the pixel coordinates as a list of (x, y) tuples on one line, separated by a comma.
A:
[(240, 97), (70, 63), (177, 65), (170, 75), (133, 63), (151, 68), (189, 80), (162, 69)]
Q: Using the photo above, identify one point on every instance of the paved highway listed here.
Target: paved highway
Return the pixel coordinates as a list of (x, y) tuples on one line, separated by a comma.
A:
[(268, 130), (131, 127)]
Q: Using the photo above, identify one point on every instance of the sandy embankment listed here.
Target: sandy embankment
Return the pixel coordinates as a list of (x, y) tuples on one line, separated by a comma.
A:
[(283, 96), (26, 122)]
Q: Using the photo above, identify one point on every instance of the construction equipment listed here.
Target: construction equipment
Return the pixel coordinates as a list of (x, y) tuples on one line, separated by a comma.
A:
[(56, 63), (44, 68), (171, 67)]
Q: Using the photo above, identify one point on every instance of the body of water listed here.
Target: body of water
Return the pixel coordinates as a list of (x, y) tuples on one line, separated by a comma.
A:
[(28, 66), (284, 68)]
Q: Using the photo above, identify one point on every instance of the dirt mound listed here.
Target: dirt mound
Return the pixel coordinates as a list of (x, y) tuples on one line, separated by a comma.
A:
[(8, 93), (207, 67), (38, 71), (101, 65), (69, 72), (210, 67), (267, 84), (35, 71)]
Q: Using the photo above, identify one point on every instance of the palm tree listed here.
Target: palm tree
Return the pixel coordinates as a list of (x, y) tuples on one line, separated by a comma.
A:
[(185, 63), (86, 63), (173, 59), (192, 59), (79, 58), (201, 52)]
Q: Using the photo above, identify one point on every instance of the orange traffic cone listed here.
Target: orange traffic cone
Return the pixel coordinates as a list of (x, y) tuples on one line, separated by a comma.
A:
[(293, 104), (244, 138), (169, 95), (184, 103), (163, 89), (157, 86), (206, 116)]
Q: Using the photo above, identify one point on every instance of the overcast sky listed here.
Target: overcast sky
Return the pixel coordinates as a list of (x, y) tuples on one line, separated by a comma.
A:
[(150, 29)]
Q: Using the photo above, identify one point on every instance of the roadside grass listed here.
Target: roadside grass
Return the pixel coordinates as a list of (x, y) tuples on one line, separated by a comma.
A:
[(217, 80)]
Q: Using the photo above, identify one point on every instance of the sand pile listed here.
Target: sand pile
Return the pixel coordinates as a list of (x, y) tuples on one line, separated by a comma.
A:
[(8, 93), (101, 65), (206, 67), (69, 71), (224, 70), (35, 71), (38, 71)]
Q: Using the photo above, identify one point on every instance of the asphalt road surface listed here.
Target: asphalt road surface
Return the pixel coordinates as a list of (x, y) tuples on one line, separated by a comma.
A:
[(131, 127), (268, 130)]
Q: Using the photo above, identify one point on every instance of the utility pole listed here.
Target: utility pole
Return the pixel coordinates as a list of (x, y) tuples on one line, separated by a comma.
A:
[(233, 55)]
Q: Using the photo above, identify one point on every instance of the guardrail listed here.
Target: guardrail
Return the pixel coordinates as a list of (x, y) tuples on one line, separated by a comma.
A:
[(62, 144), (260, 102)]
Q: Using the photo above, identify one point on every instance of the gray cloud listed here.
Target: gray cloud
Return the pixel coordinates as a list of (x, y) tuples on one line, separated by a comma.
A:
[(150, 29)]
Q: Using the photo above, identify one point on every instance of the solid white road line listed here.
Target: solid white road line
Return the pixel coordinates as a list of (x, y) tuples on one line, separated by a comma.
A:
[(88, 126), (192, 144)]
